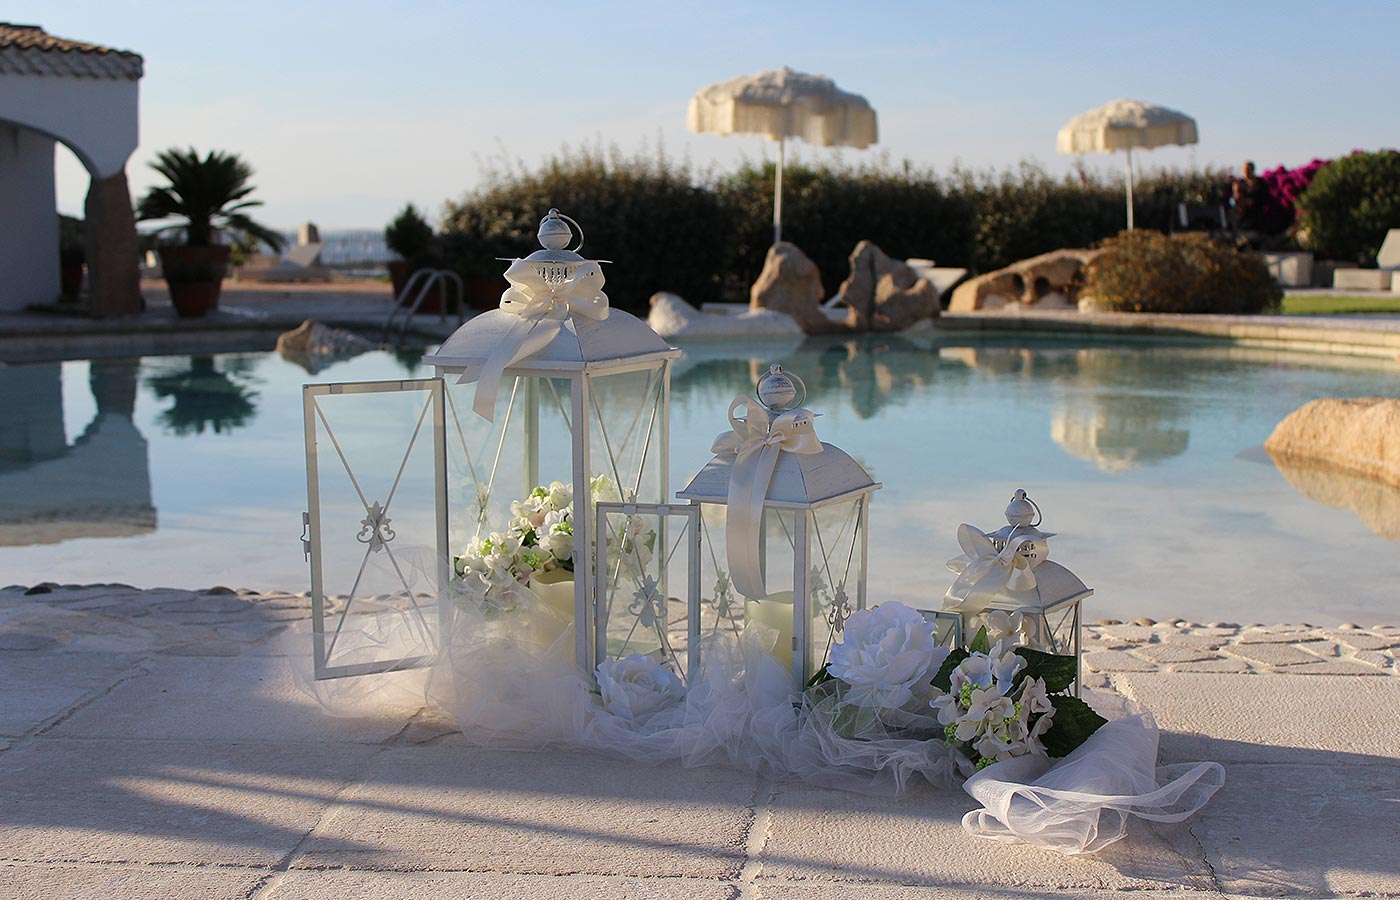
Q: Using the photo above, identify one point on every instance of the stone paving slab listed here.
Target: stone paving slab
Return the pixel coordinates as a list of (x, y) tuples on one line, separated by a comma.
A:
[(824, 890), (338, 885), (440, 806), (842, 837), (167, 802), (1325, 719), (214, 699), (36, 688), (40, 882), (1334, 832)]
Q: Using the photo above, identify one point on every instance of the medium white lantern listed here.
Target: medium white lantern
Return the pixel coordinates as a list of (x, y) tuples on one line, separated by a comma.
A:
[(786, 526), (559, 387), (1008, 571)]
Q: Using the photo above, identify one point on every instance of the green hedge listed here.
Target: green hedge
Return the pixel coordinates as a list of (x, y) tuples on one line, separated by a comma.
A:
[(1350, 205), (703, 234)]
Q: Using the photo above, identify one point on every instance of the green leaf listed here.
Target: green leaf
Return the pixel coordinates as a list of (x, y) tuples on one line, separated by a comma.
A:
[(822, 675), (981, 643), (1057, 671), (1073, 723), (944, 679)]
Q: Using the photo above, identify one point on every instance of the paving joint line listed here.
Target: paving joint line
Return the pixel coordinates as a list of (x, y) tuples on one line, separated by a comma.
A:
[(756, 842)]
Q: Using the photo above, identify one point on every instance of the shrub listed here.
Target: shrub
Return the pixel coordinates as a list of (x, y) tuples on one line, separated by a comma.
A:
[(409, 235), (1146, 271), (1351, 203), (1285, 187), (647, 213)]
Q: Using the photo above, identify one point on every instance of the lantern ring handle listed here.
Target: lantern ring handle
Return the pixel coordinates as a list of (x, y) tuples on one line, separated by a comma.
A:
[(1039, 517), (577, 228)]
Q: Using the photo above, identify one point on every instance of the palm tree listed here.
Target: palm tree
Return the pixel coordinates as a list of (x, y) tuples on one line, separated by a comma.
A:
[(205, 196), (209, 194)]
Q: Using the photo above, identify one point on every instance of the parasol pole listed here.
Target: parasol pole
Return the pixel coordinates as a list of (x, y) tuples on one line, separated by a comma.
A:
[(778, 194), (1130, 188)]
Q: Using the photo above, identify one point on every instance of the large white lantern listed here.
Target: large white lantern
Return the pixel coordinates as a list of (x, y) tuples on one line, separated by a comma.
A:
[(1008, 571), (554, 386), (786, 521)]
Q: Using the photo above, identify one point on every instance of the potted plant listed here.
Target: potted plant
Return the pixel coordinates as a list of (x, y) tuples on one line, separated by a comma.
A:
[(72, 254), (207, 197), (411, 238)]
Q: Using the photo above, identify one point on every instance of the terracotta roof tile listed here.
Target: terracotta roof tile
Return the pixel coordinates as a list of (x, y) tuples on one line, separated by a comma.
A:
[(30, 50)]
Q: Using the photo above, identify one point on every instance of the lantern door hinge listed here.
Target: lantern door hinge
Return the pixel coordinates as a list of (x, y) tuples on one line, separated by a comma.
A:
[(306, 535)]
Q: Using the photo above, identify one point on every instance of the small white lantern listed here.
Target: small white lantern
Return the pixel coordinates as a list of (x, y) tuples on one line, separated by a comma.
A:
[(563, 388), (1008, 571), (786, 526)]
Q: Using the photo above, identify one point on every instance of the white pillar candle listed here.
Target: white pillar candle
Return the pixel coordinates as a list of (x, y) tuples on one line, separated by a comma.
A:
[(556, 593), (775, 611)]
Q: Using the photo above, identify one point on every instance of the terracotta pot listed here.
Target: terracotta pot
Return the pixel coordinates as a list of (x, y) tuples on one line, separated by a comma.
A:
[(195, 276), (192, 299)]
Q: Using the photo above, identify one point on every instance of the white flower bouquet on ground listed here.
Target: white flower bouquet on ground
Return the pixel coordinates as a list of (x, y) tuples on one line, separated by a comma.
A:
[(989, 703)]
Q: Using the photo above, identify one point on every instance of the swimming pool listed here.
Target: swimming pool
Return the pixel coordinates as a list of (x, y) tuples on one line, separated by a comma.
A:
[(1147, 459)]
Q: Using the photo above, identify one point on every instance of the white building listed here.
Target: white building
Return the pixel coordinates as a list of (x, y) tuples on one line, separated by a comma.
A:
[(58, 90)]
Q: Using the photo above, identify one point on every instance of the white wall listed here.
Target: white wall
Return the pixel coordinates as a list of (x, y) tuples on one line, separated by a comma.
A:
[(96, 117), (28, 219)]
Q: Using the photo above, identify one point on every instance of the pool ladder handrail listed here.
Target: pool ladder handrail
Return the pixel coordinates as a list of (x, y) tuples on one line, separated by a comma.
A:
[(424, 280)]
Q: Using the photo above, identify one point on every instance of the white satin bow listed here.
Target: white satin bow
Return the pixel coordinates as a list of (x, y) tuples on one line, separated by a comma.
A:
[(755, 444), (542, 308), (984, 574)]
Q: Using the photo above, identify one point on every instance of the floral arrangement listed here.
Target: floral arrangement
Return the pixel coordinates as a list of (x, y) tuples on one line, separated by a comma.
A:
[(637, 687), (989, 702), (539, 539)]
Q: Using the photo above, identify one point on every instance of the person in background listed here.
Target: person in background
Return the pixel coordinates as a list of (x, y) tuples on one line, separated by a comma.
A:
[(1249, 196)]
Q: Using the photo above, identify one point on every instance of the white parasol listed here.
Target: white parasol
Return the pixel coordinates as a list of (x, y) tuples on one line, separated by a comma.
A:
[(781, 104), (1124, 125)]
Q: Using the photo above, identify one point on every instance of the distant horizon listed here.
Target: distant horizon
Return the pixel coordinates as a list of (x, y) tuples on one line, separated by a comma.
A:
[(347, 113)]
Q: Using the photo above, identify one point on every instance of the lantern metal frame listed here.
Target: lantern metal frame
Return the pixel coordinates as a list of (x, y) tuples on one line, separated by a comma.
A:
[(374, 530)]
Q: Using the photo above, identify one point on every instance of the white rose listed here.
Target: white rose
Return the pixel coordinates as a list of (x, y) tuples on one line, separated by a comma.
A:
[(561, 495), (637, 686), (887, 655)]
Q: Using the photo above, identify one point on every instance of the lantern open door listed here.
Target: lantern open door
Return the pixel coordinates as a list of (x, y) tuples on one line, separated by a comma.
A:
[(375, 529)]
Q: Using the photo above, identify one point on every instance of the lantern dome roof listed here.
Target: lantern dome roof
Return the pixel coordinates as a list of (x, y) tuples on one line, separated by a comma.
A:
[(582, 343), (800, 480)]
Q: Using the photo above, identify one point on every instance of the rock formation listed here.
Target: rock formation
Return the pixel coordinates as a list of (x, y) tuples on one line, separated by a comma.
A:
[(313, 346), (672, 317), (1048, 281), (1359, 436), (884, 294), (791, 284)]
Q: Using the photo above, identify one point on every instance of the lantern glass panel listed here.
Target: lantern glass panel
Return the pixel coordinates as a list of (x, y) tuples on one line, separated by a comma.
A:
[(627, 422), (836, 574), (376, 523), (647, 559)]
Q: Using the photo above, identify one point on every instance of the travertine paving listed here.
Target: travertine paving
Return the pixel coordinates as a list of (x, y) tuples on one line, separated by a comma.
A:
[(155, 744)]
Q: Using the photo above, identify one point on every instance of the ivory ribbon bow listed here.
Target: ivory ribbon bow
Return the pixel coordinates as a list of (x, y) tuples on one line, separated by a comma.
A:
[(755, 444), (542, 309), (984, 575)]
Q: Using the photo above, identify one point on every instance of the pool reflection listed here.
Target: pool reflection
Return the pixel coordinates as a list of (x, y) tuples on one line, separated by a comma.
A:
[(99, 486)]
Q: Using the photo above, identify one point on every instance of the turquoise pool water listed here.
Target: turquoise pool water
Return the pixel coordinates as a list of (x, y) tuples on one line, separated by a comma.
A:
[(1147, 459)]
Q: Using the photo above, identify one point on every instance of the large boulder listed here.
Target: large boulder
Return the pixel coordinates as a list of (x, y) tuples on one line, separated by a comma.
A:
[(1359, 436), (791, 284), (672, 317), (313, 346), (884, 294), (1048, 281)]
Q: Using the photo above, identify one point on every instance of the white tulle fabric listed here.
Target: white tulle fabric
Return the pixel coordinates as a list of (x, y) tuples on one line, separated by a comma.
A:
[(509, 681)]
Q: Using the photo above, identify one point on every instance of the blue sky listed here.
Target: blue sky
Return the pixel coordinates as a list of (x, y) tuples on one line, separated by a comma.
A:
[(349, 109)]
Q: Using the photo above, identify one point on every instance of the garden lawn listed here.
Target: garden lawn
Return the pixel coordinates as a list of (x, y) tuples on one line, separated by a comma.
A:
[(1339, 304)]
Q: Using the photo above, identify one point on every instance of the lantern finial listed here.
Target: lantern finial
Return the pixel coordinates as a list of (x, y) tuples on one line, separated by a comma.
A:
[(1022, 510), (778, 390)]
